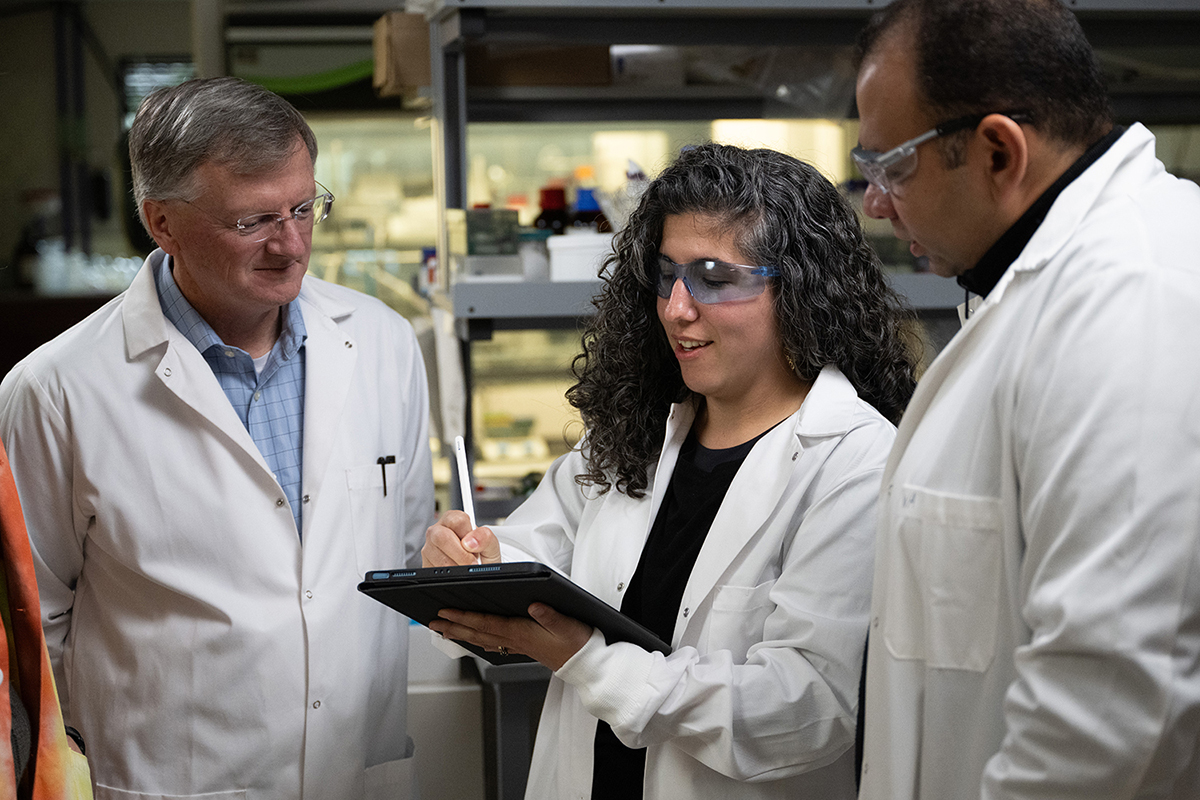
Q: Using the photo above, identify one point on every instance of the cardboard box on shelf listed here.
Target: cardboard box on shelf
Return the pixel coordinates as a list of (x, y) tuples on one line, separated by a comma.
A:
[(517, 64), (401, 51)]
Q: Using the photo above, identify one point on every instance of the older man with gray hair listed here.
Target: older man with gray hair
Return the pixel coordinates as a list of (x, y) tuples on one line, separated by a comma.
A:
[(209, 464)]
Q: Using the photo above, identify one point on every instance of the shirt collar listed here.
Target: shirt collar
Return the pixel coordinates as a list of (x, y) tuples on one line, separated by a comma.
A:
[(187, 320), (984, 276)]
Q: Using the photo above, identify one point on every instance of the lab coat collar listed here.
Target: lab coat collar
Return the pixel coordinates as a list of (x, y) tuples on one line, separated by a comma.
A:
[(983, 276), (178, 364), (330, 357), (830, 406), (1061, 223), (141, 314), (146, 326), (1075, 201), (828, 410)]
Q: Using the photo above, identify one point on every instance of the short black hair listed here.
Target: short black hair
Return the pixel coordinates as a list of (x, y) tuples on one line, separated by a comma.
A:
[(979, 56)]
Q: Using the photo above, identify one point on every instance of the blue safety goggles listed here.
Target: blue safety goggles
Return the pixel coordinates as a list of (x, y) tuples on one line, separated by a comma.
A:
[(710, 281)]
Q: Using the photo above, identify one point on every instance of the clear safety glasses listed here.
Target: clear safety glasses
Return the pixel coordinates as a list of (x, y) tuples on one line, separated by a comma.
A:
[(886, 170), (260, 227), (710, 281)]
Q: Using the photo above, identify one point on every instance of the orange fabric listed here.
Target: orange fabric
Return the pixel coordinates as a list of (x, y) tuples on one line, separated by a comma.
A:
[(54, 771)]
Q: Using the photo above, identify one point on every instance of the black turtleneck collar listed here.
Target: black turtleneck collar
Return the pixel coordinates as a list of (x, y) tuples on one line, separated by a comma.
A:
[(984, 276)]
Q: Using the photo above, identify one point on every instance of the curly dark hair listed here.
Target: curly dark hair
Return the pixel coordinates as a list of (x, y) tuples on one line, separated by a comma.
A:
[(832, 301)]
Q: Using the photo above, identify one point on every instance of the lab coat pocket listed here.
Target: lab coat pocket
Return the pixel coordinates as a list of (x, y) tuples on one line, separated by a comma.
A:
[(739, 614), (109, 793), (391, 780), (374, 515), (943, 580)]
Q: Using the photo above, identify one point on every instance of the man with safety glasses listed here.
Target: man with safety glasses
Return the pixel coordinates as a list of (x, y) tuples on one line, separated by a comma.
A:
[(1036, 610), (208, 466)]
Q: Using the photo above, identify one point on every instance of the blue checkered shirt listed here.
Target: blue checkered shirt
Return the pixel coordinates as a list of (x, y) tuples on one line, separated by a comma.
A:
[(269, 404)]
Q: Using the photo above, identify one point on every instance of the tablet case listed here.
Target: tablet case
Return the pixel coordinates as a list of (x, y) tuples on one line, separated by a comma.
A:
[(506, 589)]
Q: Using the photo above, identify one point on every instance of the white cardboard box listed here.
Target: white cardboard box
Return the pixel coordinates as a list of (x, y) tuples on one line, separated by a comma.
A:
[(578, 256)]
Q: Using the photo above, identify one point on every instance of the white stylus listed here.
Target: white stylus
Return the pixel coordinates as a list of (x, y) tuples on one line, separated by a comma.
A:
[(464, 478)]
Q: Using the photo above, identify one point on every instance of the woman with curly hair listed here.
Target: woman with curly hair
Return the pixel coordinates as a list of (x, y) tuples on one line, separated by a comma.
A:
[(739, 385)]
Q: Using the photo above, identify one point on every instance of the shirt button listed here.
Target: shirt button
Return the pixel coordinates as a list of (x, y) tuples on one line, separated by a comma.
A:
[(229, 354), (257, 395), (349, 345), (685, 613), (308, 594), (316, 704), (875, 622), (279, 502), (305, 498), (620, 586)]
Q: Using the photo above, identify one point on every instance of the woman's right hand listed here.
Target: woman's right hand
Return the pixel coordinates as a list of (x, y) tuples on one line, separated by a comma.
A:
[(452, 540)]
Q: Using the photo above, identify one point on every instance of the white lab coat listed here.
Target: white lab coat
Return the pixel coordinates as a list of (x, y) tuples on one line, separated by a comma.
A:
[(759, 697), (200, 648), (1036, 619)]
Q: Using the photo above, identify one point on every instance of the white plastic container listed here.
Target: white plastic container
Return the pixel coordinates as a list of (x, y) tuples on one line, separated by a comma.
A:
[(578, 256)]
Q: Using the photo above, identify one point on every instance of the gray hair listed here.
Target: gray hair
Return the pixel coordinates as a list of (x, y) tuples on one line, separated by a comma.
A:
[(228, 121)]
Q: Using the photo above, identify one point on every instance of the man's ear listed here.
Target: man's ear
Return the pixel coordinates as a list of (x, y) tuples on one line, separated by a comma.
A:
[(161, 222), (1007, 151)]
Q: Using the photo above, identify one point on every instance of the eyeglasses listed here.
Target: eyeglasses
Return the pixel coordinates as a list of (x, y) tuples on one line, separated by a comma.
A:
[(886, 170), (260, 227), (710, 281)]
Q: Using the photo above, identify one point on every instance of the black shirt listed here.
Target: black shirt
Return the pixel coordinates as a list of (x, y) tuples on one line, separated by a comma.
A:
[(697, 488)]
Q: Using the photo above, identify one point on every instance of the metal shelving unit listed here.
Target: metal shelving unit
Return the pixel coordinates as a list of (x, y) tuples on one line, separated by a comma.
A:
[(483, 307), (1121, 25)]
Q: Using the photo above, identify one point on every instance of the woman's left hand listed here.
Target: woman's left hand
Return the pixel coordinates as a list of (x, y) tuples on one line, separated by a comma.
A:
[(549, 637)]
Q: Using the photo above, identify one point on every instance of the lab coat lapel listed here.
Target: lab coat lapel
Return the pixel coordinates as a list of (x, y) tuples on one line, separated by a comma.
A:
[(1061, 222), (928, 387), (330, 357), (753, 499), (182, 370)]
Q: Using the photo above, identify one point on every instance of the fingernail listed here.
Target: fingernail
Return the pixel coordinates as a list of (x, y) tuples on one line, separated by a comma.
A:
[(470, 543)]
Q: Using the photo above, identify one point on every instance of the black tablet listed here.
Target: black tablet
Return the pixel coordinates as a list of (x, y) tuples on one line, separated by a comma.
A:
[(506, 589)]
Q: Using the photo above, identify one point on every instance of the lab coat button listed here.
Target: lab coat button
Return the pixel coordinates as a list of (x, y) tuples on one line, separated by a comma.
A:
[(621, 586), (305, 498), (795, 456), (279, 503), (685, 613)]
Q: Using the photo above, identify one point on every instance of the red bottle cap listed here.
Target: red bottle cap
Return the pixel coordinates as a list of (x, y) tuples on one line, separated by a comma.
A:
[(553, 197)]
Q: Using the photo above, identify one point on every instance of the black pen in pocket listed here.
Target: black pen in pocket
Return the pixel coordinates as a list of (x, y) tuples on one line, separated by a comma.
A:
[(382, 461)]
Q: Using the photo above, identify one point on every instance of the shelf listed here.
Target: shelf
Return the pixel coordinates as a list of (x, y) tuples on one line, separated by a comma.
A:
[(513, 305)]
